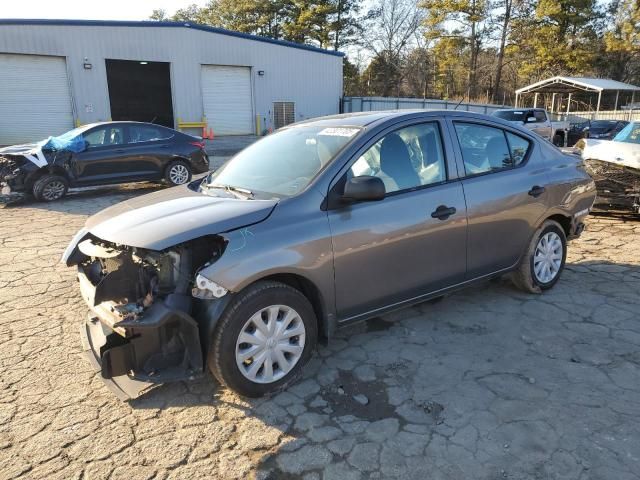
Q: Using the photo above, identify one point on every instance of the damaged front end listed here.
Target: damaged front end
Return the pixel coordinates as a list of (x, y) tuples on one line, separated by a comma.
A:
[(12, 176), (618, 186), (147, 314)]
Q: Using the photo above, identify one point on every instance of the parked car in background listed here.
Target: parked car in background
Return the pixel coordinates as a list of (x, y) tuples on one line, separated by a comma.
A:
[(602, 129), (101, 154), (537, 120), (321, 224), (615, 166)]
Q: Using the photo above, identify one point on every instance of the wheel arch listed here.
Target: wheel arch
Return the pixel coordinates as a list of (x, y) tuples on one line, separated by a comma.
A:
[(562, 219), (311, 291), (47, 170)]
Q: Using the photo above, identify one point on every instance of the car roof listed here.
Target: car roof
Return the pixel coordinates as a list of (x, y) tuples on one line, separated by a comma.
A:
[(364, 119), (129, 122)]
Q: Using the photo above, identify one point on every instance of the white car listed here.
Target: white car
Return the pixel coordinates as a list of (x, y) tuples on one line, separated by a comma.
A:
[(615, 166)]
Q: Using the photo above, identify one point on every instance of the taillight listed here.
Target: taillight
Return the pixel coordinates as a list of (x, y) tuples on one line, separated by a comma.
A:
[(200, 145)]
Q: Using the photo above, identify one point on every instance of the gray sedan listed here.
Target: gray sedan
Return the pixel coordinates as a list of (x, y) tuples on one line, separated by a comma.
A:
[(321, 224)]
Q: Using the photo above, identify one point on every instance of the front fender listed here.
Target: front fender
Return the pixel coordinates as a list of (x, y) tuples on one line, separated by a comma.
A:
[(276, 247)]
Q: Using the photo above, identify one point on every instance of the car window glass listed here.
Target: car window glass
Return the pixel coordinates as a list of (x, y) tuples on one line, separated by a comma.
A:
[(104, 136), (407, 158), (629, 134), (518, 147), (146, 133), (484, 149), (540, 116)]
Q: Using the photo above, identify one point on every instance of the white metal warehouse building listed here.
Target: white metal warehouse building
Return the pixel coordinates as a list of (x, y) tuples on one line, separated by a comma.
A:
[(55, 74)]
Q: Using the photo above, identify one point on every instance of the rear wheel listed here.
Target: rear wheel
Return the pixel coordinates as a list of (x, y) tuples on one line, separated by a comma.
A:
[(263, 339), (178, 172), (542, 264), (50, 187)]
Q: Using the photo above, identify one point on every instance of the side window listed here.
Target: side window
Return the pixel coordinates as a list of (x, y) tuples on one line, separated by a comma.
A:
[(484, 149), (407, 158), (540, 116), (104, 136), (518, 147), (146, 133)]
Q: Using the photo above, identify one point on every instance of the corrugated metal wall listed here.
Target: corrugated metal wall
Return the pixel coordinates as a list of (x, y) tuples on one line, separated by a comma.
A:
[(312, 80)]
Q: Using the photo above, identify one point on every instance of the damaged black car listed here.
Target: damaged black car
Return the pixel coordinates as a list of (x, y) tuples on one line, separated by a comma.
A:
[(100, 154)]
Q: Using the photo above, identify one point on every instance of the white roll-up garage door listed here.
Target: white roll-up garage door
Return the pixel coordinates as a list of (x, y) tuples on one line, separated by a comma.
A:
[(226, 97), (35, 101)]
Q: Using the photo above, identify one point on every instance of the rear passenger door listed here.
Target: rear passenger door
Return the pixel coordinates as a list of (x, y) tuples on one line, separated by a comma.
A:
[(505, 189), (149, 150)]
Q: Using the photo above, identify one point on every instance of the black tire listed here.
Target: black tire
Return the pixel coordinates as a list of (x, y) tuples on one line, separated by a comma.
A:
[(222, 352), (525, 277), (558, 140), (178, 172), (50, 187)]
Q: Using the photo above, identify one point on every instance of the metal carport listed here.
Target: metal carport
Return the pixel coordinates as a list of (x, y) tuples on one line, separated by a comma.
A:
[(570, 85)]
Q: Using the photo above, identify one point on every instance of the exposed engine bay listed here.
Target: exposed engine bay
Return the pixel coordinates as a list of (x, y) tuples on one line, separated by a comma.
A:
[(147, 314)]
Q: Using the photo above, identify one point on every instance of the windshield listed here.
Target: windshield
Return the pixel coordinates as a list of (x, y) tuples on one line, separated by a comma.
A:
[(511, 115), (629, 134), (603, 124), (284, 162)]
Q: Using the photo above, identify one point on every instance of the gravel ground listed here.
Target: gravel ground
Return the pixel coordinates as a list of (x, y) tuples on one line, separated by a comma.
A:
[(489, 383)]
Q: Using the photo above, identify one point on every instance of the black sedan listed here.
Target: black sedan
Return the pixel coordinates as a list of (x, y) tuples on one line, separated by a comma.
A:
[(101, 154), (602, 129)]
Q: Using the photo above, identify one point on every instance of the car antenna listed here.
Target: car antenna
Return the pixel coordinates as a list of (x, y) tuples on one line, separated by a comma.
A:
[(456, 107)]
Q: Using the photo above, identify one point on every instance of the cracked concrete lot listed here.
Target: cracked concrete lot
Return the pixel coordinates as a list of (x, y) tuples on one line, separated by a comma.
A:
[(488, 384)]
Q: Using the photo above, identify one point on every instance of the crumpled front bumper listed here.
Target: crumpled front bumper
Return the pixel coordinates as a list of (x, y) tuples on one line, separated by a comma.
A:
[(94, 338), (132, 355)]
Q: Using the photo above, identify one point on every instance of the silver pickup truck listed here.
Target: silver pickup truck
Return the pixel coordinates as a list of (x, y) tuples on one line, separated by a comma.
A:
[(537, 120)]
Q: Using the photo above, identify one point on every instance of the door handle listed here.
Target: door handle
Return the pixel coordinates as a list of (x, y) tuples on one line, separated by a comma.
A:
[(443, 212), (120, 150), (536, 191)]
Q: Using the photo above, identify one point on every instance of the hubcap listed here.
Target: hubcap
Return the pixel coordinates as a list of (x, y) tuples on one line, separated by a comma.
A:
[(270, 344), (53, 190), (179, 174), (547, 258)]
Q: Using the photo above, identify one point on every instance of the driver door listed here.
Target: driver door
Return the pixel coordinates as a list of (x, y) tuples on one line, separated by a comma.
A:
[(105, 160), (396, 249)]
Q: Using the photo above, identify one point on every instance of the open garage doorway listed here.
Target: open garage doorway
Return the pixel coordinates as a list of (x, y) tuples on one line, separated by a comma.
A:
[(140, 91)]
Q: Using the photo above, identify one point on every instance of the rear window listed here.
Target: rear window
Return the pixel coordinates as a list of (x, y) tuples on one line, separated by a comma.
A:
[(511, 115)]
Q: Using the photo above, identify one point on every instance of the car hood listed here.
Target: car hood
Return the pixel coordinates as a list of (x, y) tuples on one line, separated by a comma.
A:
[(19, 149), (620, 153), (165, 218)]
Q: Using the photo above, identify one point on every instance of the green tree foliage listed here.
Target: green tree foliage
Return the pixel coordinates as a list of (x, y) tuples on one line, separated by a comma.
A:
[(325, 23), (477, 49)]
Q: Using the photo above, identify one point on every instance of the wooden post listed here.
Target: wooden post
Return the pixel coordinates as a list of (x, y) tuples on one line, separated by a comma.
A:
[(535, 100), (617, 94), (553, 102)]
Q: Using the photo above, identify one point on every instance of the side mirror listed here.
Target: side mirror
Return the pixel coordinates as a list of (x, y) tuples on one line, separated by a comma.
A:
[(364, 189), (531, 120)]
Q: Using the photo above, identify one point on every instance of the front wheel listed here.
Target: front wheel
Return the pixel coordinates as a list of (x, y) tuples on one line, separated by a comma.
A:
[(178, 173), (50, 187), (263, 339), (542, 264)]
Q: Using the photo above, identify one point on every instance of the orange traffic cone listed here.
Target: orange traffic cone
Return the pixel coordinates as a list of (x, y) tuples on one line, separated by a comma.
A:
[(211, 134), (204, 132)]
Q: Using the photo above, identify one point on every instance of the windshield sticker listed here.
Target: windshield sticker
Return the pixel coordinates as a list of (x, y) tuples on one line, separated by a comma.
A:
[(339, 132)]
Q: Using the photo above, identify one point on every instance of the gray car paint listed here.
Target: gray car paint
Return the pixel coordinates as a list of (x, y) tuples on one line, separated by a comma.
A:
[(165, 218), (372, 248)]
